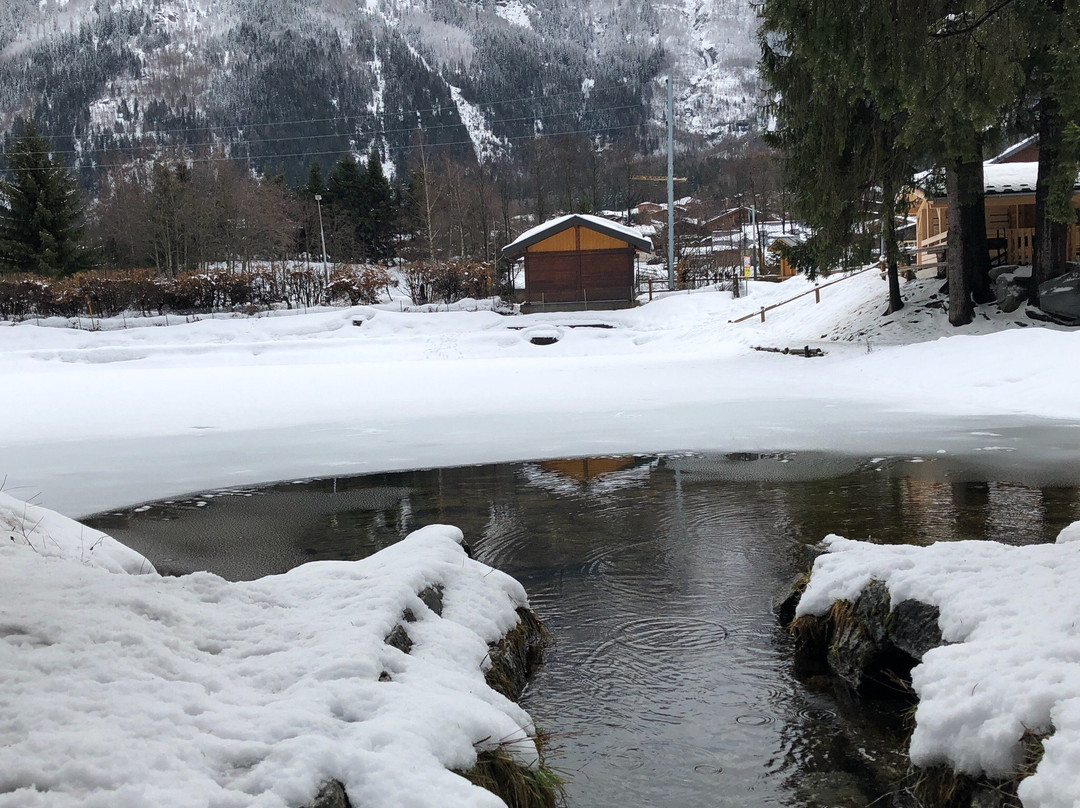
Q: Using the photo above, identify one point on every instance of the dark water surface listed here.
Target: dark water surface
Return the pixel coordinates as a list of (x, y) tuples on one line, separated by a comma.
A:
[(671, 683)]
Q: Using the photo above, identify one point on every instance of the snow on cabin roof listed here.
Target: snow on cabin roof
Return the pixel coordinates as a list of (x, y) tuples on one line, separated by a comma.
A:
[(789, 239), (1010, 178), (631, 235), (999, 179), (1013, 178), (1013, 149)]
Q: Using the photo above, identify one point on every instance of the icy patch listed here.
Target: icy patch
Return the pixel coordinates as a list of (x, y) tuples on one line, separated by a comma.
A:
[(1011, 662), (194, 691)]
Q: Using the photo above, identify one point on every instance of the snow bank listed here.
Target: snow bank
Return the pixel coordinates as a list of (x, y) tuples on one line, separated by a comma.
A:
[(50, 534), (125, 690), (1011, 662)]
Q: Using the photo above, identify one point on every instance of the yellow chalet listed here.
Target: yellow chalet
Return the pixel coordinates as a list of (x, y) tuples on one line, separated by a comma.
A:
[(1009, 186)]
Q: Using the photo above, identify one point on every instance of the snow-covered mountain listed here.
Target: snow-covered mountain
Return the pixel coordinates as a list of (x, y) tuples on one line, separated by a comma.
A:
[(286, 81)]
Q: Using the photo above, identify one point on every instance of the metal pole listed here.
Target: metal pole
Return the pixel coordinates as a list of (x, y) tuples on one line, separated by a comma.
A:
[(670, 184), (322, 235), (753, 244)]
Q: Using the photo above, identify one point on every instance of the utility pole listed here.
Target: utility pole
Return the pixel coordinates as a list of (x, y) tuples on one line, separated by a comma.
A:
[(670, 184), (322, 235)]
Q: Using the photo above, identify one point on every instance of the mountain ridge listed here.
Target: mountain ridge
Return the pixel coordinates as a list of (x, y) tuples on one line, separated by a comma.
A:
[(282, 82)]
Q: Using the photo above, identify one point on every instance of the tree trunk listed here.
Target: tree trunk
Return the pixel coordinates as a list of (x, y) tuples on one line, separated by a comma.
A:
[(960, 308), (892, 249), (973, 209), (1049, 249)]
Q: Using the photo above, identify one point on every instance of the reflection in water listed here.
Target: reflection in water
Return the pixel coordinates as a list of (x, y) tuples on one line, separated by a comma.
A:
[(670, 683)]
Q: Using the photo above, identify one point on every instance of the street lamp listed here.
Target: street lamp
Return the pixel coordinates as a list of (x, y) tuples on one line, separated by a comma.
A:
[(322, 236)]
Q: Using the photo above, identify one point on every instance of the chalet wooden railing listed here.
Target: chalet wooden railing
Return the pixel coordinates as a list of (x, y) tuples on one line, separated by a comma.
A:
[(816, 292), (1021, 242)]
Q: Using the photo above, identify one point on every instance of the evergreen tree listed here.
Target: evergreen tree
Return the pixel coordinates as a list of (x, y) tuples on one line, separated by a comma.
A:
[(837, 123), (315, 184), (1053, 72), (962, 72), (377, 223), (345, 198), (41, 228)]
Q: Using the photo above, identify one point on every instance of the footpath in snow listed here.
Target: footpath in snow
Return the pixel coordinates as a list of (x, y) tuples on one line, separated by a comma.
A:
[(126, 689)]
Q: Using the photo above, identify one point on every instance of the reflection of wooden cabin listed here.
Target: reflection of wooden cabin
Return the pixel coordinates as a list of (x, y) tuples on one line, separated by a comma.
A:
[(1010, 210), (584, 469), (578, 262)]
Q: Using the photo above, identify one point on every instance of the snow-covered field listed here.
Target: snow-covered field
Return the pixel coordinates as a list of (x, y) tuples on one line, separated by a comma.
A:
[(131, 690), (239, 694), (97, 420)]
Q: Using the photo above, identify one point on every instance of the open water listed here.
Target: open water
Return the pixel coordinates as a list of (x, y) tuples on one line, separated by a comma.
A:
[(670, 683)]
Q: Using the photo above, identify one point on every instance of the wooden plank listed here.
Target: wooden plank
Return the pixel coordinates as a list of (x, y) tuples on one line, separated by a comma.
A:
[(591, 240), (564, 241)]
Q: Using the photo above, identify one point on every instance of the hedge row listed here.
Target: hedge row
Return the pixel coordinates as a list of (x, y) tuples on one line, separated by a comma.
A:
[(96, 294), (447, 282)]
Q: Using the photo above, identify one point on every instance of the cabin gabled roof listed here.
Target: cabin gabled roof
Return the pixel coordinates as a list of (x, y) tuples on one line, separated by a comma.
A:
[(1013, 150), (631, 235)]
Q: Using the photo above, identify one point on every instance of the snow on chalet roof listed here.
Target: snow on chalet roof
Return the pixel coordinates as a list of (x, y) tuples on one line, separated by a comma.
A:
[(1010, 178), (1013, 178), (1013, 149), (999, 179), (631, 235)]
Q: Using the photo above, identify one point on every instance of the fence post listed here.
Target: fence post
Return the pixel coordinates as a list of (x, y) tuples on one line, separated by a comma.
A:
[(817, 293), (762, 314)]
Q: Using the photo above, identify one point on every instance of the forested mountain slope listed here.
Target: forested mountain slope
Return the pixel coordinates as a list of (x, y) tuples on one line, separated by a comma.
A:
[(284, 81)]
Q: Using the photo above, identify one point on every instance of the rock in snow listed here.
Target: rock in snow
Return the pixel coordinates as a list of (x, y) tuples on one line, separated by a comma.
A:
[(1010, 621), (134, 690)]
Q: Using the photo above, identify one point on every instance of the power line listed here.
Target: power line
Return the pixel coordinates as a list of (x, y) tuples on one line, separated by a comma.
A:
[(403, 113), (292, 138), (272, 157)]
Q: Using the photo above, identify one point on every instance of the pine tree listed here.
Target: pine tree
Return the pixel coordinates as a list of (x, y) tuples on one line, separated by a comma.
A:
[(378, 220), (41, 228), (837, 124), (1053, 72)]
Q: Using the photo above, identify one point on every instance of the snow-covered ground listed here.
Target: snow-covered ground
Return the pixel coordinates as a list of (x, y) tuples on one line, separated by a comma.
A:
[(1011, 662), (238, 694), (97, 420), (130, 690)]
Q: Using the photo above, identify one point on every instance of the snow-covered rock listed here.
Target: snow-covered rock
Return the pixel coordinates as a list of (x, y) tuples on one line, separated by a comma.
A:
[(134, 690), (1010, 662)]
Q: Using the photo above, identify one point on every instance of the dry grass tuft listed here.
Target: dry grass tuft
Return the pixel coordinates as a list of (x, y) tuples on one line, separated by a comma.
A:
[(519, 786)]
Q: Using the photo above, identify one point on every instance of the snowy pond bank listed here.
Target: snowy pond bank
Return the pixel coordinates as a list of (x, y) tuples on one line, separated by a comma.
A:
[(123, 688), (670, 682), (992, 632)]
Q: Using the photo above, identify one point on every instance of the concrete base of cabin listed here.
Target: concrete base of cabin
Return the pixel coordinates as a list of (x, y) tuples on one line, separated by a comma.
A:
[(578, 305)]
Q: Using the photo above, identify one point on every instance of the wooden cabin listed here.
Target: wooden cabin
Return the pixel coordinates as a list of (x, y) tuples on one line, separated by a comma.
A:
[(777, 248), (1009, 188), (578, 262)]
